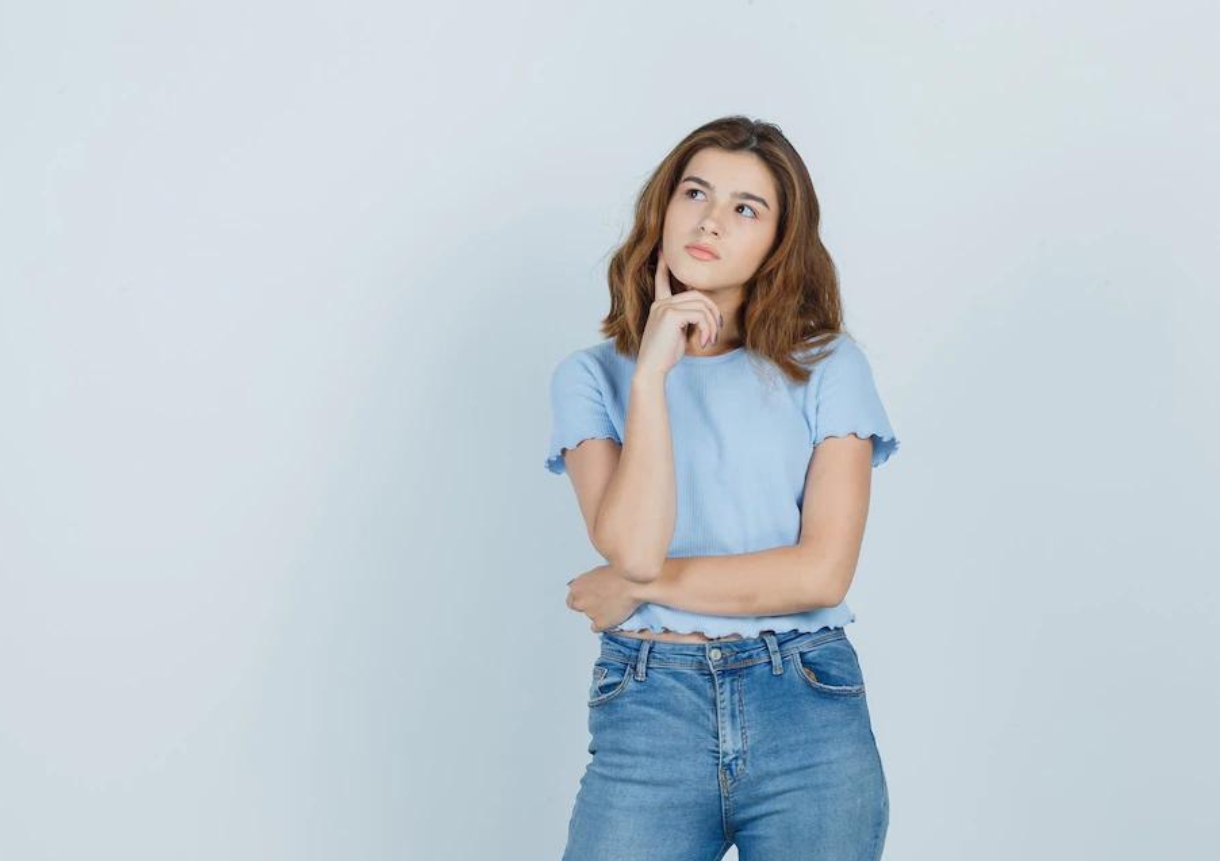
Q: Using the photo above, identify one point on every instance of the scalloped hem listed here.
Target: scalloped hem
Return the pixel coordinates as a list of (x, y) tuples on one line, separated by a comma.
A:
[(664, 630), (554, 461), (883, 445)]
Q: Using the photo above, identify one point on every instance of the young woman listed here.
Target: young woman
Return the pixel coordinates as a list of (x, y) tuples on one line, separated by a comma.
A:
[(721, 442)]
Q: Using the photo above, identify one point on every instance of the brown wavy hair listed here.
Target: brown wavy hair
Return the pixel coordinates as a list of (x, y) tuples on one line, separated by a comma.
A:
[(791, 303)]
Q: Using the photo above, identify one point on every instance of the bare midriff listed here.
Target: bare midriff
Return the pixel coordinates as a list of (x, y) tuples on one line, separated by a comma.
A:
[(673, 636)]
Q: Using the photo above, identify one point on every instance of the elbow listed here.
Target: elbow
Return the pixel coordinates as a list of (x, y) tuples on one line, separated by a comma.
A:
[(640, 572), (827, 583), (835, 585), (833, 594), (635, 568), (822, 595)]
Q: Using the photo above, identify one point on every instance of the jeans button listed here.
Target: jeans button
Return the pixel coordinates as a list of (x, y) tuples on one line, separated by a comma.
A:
[(715, 654)]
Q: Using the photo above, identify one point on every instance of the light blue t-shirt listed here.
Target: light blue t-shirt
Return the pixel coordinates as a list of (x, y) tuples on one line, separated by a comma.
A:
[(743, 434)]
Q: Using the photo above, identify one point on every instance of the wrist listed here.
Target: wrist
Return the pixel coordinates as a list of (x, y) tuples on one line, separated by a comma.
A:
[(646, 380)]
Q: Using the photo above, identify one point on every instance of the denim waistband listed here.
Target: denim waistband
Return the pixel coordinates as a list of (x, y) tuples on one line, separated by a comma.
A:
[(718, 654)]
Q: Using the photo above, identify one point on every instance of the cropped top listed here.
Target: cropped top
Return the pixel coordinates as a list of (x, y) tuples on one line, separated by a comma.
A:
[(743, 435)]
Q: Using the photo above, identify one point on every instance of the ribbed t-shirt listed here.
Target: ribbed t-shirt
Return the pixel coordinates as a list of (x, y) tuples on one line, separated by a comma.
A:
[(743, 435)]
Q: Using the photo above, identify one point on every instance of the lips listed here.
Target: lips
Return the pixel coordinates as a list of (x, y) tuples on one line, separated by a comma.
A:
[(701, 252)]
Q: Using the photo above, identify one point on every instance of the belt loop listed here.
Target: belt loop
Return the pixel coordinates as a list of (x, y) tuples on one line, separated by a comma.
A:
[(777, 665), (641, 662)]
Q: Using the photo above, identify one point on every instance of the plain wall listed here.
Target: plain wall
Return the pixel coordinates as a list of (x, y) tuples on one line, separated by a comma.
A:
[(281, 288)]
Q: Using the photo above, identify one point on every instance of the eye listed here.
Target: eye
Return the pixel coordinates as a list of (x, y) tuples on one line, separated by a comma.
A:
[(688, 192)]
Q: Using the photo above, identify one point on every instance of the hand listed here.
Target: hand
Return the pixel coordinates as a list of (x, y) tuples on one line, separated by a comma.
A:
[(664, 340), (604, 595)]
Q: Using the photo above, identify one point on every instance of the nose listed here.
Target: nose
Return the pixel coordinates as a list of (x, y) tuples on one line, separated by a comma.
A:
[(704, 227)]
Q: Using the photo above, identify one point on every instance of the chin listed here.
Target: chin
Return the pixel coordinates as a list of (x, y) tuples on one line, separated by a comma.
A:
[(679, 285)]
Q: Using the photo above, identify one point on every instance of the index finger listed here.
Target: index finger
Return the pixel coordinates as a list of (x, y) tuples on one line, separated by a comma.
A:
[(661, 288)]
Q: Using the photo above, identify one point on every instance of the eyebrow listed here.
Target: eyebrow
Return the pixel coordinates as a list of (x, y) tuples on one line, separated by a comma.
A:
[(742, 195)]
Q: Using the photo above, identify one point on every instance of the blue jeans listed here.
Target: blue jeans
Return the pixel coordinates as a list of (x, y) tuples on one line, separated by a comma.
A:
[(764, 743)]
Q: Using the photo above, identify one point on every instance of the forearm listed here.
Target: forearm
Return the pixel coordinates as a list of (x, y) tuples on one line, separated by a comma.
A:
[(770, 582), (638, 511)]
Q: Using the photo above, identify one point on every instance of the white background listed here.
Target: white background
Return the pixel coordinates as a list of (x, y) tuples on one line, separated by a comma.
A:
[(281, 288)]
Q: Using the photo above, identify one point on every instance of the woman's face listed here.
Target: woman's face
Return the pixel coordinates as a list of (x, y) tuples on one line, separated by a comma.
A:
[(726, 201)]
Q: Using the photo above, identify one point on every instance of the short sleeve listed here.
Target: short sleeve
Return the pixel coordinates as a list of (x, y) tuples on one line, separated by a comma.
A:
[(842, 399), (578, 408)]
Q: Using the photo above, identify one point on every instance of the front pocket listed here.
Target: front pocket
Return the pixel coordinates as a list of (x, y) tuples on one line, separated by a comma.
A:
[(610, 677), (831, 667)]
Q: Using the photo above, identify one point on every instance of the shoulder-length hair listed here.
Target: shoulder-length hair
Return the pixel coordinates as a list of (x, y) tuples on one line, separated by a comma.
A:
[(791, 303)]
